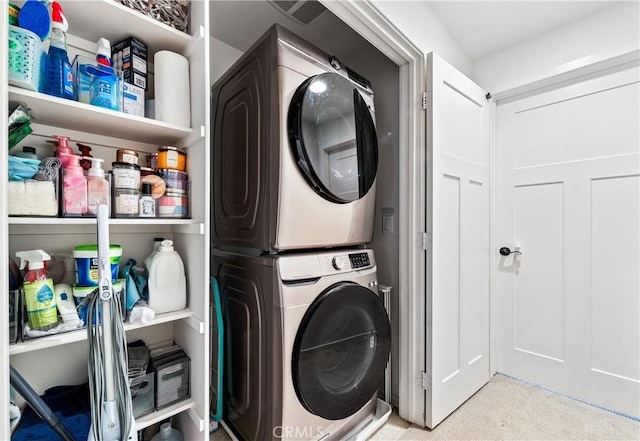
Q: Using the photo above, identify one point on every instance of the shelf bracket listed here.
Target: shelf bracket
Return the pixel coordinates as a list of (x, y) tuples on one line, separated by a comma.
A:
[(196, 418), (195, 324)]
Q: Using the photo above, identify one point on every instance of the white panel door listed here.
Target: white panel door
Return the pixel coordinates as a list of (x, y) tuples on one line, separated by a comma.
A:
[(568, 307), (458, 218)]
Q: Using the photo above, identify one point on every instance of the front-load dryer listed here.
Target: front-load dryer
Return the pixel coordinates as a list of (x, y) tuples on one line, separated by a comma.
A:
[(307, 341), (294, 149)]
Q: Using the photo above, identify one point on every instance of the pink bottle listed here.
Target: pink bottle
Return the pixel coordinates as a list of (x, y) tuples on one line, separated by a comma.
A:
[(74, 186), (63, 150)]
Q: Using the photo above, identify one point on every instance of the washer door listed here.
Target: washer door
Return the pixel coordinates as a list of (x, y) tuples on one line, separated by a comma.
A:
[(333, 137), (341, 351)]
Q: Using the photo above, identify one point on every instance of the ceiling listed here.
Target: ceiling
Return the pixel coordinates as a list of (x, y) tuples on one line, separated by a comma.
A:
[(239, 23), (484, 27), (480, 27)]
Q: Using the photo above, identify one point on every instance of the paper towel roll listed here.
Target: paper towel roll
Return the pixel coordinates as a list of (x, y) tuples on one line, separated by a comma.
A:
[(172, 91)]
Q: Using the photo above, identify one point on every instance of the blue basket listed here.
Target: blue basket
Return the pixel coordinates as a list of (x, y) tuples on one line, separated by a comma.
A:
[(25, 56)]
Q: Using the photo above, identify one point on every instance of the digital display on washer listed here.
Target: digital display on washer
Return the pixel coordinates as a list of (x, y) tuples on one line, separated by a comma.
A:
[(359, 260)]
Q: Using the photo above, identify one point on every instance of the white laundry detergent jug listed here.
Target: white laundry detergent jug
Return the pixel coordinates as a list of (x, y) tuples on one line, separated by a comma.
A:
[(167, 281)]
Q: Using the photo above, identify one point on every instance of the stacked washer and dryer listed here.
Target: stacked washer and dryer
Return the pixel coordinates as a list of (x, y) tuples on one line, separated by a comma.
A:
[(294, 161)]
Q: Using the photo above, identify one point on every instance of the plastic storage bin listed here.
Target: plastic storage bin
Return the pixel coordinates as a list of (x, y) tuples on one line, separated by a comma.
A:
[(25, 58), (34, 197), (15, 303), (85, 71)]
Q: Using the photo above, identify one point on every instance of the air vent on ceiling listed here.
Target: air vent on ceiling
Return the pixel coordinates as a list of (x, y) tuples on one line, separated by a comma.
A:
[(302, 11)]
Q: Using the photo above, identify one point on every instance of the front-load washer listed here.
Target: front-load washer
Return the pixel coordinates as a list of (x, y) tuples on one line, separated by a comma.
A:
[(294, 149), (307, 341)]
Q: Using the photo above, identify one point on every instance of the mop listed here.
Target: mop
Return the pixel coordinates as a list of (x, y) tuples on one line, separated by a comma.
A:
[(111, 409)]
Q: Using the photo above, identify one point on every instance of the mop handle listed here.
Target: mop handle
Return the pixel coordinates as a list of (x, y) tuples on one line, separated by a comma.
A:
[(104, 275)]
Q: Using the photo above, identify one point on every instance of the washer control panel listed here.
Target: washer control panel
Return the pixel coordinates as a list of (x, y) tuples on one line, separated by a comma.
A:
[(359, 260), (294, 267)]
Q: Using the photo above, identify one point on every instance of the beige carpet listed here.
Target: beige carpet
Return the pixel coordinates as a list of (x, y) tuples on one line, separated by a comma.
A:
[(506, 409)]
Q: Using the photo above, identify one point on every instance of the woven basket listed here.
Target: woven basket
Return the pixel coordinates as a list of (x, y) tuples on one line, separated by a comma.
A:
[(174, 13)]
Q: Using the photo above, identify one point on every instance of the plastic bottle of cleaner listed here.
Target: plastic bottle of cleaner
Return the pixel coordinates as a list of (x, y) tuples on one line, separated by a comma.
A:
[(167, 281), (66, 305), (156, 244), (62, 149), (167, 433), (58, 74), (104, 87), (97, 186), (74, 187), (39, 298)]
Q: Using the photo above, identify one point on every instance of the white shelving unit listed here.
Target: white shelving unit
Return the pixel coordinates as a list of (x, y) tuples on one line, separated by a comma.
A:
[(64, 355)]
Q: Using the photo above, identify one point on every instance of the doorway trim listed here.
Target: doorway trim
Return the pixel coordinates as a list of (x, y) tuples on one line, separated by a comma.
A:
[(371, 24)]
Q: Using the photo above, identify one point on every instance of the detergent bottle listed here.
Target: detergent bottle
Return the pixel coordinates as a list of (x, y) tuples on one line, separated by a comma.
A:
[(167, 281), (39, 297), (168, 433)]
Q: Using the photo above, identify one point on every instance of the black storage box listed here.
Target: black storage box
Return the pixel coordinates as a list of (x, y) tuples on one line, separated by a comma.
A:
[(130, 56)]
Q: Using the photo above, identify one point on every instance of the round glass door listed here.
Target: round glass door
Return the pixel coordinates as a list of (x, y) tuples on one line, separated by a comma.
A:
[(333, 137), (341, 351)]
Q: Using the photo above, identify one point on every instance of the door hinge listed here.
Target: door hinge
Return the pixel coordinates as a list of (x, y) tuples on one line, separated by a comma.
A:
[(426, 381), (427, 97), (427, 241)]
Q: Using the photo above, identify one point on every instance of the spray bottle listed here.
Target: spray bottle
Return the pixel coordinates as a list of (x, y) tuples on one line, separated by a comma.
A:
[(39, 297), (97, 186), (58, 74)]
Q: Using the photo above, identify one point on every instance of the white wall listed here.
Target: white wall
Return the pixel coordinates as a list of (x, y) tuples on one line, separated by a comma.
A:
[(222, 57), (417, 21), (608, 32)]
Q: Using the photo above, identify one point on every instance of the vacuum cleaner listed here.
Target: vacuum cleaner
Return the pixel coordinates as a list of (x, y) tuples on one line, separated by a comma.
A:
[(111, 409)]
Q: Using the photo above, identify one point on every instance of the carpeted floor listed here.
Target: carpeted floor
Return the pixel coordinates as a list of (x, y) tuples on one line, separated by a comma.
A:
[(507, 409)]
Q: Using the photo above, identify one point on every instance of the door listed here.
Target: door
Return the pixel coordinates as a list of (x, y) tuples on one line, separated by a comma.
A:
[(457, 327), (568, 307), (341, 351), (329, 115)]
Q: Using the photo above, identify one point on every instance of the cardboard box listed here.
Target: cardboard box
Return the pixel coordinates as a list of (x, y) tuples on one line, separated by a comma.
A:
[(130, 56), (133, 99)]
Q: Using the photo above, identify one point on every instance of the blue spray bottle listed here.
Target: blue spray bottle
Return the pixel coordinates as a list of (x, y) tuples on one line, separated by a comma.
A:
[(58, 77)]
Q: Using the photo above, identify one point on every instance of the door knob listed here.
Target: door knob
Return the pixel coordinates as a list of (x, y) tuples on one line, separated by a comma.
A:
[(505, 251)]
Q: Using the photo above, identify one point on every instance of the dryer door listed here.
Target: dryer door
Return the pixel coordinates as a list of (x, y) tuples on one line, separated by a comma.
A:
[(341, 351), (333, 137)]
